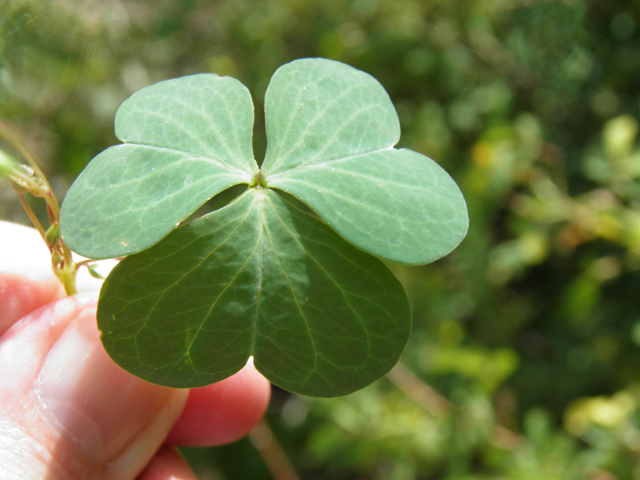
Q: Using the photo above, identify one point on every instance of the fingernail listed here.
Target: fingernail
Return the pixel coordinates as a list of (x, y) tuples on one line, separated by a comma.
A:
[(93, 404)]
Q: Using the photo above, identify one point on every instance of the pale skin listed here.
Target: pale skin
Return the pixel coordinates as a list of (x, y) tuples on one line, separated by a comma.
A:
[(68, 412)]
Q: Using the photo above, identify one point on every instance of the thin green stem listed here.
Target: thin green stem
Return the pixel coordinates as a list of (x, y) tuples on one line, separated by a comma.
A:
[(31, 215), (31, 180), (67, 277), (51, 200)]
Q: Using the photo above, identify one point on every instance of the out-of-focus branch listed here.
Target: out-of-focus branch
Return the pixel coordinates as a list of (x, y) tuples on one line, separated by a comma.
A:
[(418, 391), (272, 452), (489, 49), (438, 406)]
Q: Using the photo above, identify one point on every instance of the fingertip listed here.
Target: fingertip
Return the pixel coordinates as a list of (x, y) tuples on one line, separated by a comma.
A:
[(223, 412), (20, 296), (167, 464)]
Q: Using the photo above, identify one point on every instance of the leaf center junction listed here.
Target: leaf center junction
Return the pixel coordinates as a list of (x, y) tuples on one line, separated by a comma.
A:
[(258, 181)]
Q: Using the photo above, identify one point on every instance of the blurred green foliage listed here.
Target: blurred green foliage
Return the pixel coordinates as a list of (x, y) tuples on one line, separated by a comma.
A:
[(530, 331)]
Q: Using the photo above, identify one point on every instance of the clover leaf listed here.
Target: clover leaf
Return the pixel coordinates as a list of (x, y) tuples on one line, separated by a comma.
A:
[(301, 292)]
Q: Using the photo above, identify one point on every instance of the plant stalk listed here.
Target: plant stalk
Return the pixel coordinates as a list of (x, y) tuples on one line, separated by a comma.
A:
[(30, 179)]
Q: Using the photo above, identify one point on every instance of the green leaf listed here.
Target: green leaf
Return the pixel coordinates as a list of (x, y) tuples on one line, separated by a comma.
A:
[(317, 110), (185, 140), (93, 271), (331, 131), (257, 278)]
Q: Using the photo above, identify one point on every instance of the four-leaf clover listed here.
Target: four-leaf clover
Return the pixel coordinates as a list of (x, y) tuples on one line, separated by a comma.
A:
[(286, 273)]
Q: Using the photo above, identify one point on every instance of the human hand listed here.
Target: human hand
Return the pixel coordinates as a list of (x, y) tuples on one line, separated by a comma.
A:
[(67, 411)]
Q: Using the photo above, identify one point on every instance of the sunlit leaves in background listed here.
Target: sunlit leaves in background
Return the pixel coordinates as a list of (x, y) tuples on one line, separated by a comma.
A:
[(516, 100)]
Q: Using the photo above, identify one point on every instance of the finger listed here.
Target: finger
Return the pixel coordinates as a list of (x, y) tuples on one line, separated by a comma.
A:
[(85, 416), (24, 253), (20, 296), (167, 464), (223, 412), (26, 279)]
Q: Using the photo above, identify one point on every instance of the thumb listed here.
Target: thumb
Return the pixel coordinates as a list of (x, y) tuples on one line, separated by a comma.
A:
[(80, 415)]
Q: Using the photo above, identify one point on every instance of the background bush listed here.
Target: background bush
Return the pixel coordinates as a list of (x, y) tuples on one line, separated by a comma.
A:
[(524, 359)]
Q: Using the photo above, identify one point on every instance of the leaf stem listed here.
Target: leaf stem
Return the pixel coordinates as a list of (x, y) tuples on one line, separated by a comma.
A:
[(67, 277)]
